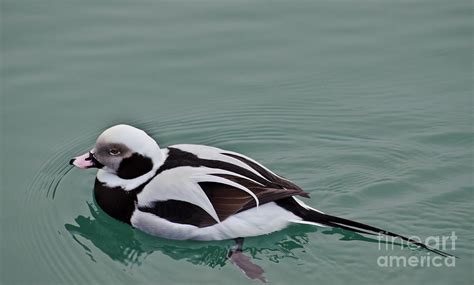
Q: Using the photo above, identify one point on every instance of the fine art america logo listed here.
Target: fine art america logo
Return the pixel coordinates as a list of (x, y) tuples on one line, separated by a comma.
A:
[(427, 259)]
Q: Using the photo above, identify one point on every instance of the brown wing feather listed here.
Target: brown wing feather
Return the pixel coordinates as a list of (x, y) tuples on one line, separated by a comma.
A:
[(225, 199), (228, 200)]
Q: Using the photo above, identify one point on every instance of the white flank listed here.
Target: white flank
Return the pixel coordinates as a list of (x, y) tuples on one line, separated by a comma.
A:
[(268, 218)]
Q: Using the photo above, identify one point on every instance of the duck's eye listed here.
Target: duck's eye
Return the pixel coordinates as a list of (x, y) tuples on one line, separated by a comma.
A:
[(114, 151)]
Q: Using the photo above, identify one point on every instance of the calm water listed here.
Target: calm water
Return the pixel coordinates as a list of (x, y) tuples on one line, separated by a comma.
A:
[(367, 105)]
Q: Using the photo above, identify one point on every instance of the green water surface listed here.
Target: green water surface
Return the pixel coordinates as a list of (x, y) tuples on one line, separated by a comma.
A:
[(367, 105)]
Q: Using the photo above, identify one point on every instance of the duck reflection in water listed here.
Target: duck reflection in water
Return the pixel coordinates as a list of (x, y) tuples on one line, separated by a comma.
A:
[(131, 247)]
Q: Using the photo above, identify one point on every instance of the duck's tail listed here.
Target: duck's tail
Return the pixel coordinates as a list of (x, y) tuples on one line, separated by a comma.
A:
[(310, 215)]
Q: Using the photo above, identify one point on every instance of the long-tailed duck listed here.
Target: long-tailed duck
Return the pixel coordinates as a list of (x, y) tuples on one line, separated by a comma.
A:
[(198, 192)]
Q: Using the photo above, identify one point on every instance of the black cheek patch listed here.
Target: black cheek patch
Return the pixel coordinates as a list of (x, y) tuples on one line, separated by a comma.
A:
[(134, 166)]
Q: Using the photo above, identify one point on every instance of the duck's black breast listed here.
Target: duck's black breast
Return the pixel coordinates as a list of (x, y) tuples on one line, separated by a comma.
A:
[(115, 201)]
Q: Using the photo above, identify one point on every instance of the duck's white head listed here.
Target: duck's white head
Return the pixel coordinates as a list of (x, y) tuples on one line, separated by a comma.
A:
[(124, 151)]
